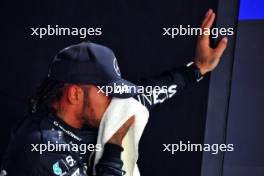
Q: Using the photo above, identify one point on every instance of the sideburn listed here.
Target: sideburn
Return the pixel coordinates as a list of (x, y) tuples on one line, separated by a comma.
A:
[(86, 105)]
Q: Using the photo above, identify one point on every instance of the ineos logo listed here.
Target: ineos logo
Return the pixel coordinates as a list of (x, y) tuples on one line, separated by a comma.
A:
[(117, 70)]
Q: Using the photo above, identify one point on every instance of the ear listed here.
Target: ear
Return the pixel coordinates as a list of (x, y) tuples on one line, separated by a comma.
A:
[(74, 94)]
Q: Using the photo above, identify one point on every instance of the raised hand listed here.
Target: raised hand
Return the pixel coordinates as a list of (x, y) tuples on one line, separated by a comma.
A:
[(207, 58)]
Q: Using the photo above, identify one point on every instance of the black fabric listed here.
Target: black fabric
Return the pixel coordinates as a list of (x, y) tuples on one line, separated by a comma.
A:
[(182, 77), (40, 130), (112, 150)]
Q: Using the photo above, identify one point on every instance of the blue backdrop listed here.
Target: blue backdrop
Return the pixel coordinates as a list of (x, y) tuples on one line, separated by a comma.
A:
[(251, 9)]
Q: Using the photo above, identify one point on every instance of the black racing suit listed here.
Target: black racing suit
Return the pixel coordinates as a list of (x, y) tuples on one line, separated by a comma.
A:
[(26, 156)]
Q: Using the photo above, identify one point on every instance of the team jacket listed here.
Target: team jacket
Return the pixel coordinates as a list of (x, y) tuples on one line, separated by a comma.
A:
[(26, 156)]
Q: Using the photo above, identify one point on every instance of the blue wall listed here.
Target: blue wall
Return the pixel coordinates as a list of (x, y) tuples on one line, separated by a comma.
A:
[(251, 9)]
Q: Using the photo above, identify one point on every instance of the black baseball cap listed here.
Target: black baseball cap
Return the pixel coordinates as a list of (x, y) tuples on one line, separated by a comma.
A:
[(91, 64)]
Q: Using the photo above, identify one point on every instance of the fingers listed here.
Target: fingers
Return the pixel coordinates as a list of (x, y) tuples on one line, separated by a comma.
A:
[(219, 50), (207, 16), (118, 137), (128, 123), (210, 21), (207, 23)]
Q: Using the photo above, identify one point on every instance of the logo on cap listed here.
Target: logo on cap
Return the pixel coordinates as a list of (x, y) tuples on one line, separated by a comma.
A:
[(117, 70)]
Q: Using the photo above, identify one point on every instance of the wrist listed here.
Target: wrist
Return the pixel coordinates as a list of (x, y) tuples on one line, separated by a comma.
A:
[(201, 68), (116, 142), (198, 73), (116, 139)]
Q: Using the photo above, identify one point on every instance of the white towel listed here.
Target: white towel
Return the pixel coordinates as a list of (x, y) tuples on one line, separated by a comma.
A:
[(116, 114)]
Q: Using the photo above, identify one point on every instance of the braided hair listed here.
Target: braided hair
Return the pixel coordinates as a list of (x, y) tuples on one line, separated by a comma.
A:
[(49, 91)]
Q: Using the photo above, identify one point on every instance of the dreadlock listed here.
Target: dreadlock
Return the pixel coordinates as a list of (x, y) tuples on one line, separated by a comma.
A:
[(49, 91)]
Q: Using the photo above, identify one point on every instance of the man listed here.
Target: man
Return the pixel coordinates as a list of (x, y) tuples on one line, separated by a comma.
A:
[(69, 105)]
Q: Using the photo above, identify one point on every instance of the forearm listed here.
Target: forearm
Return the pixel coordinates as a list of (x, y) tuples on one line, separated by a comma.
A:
[(170, 83)]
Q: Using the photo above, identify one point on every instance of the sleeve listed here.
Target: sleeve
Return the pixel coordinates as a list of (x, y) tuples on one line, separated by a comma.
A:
[(157, 89), (16, 162), (110, 164), (51, 165), (21, 160)]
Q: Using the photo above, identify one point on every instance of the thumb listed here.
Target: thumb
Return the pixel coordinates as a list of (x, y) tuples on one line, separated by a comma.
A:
[(219, 50)]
